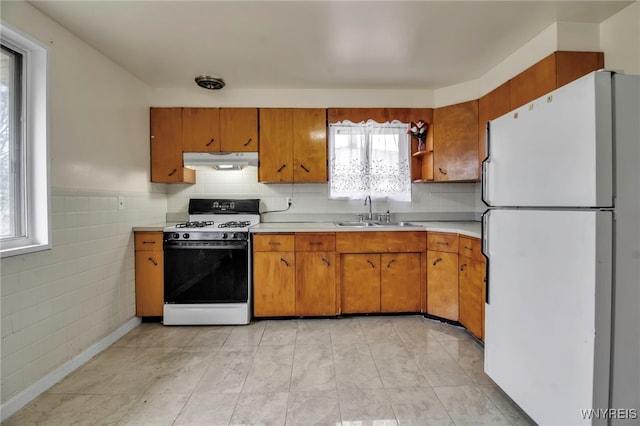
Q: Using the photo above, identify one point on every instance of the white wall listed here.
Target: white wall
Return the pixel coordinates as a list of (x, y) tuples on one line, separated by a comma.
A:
[(57, 303), (620, 40)]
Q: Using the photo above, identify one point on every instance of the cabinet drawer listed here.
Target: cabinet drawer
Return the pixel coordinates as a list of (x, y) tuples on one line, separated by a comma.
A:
[(315, 242), (273, 242), (442, 242), (148, 240), (470, 247), (380, 242)]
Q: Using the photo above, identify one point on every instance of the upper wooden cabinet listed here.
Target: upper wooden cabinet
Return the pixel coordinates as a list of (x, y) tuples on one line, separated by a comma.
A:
[(239, 129), (552, 72), (200, 129), (293, 145), (455, 142), (220, 129), (166, 147)]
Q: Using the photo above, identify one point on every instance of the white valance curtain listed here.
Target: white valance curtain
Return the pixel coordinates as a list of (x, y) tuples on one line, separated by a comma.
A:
[(369, 159)]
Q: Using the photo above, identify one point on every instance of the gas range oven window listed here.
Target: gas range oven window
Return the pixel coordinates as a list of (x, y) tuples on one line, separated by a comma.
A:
[(206, 272)]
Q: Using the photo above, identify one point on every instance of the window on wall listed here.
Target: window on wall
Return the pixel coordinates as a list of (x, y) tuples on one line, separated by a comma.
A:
[(369, 159), (24, 175)]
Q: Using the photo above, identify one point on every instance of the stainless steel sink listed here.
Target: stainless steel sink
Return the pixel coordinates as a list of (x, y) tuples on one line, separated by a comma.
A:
[(402, 224), (355, 224)]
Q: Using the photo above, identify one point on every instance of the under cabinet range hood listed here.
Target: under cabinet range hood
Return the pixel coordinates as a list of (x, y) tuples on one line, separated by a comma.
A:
[(221, 160)]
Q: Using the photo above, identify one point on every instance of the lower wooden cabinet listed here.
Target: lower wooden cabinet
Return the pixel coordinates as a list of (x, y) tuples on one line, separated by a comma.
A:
[(472, 272), (274, 284), (376, 282), (442, 284), (471, 303), (294, 275), (360, 283), (315, 283), (400, 282), (149, 266)]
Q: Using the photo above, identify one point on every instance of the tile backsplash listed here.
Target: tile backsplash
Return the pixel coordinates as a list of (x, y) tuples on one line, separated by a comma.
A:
[(430, 201)]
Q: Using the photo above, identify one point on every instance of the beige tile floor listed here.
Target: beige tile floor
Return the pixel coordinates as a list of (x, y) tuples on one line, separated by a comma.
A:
[(404, 370)]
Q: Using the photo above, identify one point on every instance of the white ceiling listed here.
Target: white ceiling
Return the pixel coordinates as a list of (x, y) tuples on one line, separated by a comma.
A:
[(315, 44)]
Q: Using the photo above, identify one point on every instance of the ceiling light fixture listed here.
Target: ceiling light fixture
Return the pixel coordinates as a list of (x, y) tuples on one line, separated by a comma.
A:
[(210, 82)]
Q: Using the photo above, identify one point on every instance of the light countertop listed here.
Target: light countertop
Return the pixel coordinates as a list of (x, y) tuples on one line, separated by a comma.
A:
[(469, 228)]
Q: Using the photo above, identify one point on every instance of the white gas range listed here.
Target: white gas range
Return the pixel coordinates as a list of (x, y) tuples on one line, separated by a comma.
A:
[(207, 275)]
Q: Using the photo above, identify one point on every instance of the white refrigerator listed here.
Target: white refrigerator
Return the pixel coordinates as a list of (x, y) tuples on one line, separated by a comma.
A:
[(562, 239)]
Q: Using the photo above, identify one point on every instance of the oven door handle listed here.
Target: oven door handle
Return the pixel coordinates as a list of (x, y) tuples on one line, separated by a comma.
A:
[(241, 245)]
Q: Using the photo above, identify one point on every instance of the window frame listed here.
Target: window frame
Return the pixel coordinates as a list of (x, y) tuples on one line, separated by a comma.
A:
[(34, 144)]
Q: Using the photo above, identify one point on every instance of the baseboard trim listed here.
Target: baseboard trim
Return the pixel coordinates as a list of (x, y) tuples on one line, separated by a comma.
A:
[(30, 393)]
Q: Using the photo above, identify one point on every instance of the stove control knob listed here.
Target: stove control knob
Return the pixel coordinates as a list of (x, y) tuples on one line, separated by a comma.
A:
[(185, 236), (225, 236), (237, 236), (175, 236)]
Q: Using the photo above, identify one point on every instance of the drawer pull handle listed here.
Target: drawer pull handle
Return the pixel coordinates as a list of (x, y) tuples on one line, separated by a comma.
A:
[(153, 261), (284, 261), (282, 167), (436, 261), (248, 142), (390, 263), (468, 248), (326, 261), (304, 168), (463, 267), (173, 172), (371, 263), (315, 243), (274, 243), (148, 242), (211, 141), (442, 171), (442, 243)]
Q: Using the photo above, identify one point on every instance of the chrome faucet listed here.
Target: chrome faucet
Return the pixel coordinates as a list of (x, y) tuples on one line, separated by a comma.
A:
[(370, 215)]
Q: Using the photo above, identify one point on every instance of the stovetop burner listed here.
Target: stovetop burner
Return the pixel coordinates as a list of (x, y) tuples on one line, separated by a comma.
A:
[(235, 224), (195, 224)]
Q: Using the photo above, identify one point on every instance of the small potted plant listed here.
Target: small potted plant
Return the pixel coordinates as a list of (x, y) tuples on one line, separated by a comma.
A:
[(419, 130)]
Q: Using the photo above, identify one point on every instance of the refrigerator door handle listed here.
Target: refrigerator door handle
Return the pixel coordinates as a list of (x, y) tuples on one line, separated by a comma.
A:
[(485, 168), (485, 250)]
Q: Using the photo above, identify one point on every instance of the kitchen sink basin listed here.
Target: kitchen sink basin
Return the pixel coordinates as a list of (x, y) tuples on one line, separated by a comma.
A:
[(355, 224), (403, 224)]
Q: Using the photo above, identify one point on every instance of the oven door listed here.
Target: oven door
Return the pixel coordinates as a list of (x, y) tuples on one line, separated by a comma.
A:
[(206, 272)]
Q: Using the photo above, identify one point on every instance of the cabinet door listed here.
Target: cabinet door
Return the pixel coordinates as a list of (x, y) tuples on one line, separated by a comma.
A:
[(200, 129), (310, 145), (149, 283), (166, 147), (273, 284), (471, 276), (533, 82), (276, 145), (400, 282), (360, 282), (315, 283), (455, 142), (239, 129), (442, 284)]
